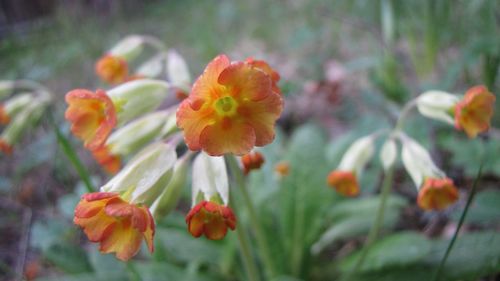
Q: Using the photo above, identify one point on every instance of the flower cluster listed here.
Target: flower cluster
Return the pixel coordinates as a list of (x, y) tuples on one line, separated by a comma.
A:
[(23, 107), (436, 191), (231, 107)]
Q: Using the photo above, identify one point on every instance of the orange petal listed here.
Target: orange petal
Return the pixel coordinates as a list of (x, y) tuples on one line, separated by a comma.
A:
[(473, 113), (264, 66), (437, 194), (193, 122), (207, 86), (112, 69), (92, 116), (125, 241), (227, 136), (344, 182), (245, 82), (262, 116)]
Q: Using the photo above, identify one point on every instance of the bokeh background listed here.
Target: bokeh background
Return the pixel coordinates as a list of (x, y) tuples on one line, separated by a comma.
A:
[(346, 67)]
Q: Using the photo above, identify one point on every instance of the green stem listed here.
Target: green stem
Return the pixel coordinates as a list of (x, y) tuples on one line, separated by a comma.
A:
[(72, 156), (460, 222), (254, 221), (404, 114), (378, 223), (246, 255)]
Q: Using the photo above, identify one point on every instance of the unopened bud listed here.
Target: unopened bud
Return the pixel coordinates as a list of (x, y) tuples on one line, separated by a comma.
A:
[(153, 67), (178, 72), (168, 199), (437, 105), (145, 176), (138, 133), (418, 162), (357, 155), (137, 97), (210, 181), (128, 48), (388, 154)]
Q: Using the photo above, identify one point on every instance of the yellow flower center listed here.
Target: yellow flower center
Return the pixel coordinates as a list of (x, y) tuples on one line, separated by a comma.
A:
[(226, 106)]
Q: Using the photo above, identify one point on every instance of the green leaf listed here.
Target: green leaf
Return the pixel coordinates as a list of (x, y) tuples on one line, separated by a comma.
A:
[(484, 210), (183, 247), (397, 250), (474, 255)]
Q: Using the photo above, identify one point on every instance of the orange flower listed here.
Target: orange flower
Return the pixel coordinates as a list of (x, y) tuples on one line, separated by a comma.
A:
[(112, 69), (474, 111), (231, 109), (4, 117), (92, 116), (282, 168), (211, 219), (5, 147), (264, 66), (252, 161), (111, 163), (437, 194), (117, 225), (344, 182)]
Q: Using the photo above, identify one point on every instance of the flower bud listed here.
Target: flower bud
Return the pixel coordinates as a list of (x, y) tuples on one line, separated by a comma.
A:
[(417, 161), (252, 161), (145, 176), (128, 48), (15, 104), (282, 168), (210, 181), (21, 123), (357, 155), (153, 67), (137, 97), (437, 105), (168, 199), (178, 72), (138, 133), (6, 88), (388, 154)]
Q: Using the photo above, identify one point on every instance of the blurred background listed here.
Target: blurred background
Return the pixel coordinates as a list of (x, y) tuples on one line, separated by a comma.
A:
[(346, 68)]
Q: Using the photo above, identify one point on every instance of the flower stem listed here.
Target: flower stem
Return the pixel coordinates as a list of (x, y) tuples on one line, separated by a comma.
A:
[(246, 255), (254, 221), (460, 222), (378, 223), (404, 114)]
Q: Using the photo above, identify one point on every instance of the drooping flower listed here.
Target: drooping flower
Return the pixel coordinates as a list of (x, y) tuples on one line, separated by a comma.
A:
[(112, 69), (437, 194), (344, 182), (474, 111), (232, 108), (210, 219), (92, 116), (435, 190), (264, 66), (117, 225), (210, 213), (252, 161), (344, 178)]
